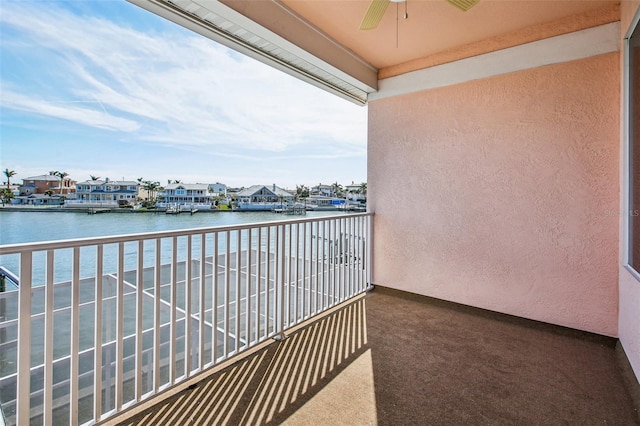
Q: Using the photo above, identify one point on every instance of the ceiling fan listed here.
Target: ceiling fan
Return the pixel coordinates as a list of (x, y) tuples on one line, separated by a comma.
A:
[(376, 10)]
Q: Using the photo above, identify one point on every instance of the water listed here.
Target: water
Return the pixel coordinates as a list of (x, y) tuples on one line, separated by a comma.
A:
[(25, 227), (40, 226)]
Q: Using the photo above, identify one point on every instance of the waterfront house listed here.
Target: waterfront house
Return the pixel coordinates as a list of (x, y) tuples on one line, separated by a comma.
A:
[(354, 193), (187, 196), (262, 197), (322, 190), (105, 193), (512, 128), (42, 183), (218, 189)]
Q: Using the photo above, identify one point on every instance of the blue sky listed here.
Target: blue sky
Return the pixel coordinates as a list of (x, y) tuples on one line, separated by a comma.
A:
[(104, 88)]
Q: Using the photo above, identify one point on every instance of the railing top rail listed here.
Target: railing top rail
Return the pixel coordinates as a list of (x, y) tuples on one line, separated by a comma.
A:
[(81, 242)]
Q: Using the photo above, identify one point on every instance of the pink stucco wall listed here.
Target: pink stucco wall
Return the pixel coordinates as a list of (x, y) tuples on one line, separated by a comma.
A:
[(629, 324), (502, 193)]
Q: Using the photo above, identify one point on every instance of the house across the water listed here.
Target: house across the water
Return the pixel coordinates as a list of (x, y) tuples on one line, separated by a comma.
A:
[(263, 197)]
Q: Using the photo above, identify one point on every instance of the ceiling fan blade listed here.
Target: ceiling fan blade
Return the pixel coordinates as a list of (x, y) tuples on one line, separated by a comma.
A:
[(464, 5), (374, 14)]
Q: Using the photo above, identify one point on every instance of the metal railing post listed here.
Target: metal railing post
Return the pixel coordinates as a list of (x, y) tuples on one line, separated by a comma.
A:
[(23, 403)]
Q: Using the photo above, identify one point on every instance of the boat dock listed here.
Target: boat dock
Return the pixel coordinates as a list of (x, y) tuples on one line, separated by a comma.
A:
[(94, 210), (291, 210)]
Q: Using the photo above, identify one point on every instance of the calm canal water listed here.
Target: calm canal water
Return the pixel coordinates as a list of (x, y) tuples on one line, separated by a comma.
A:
[(24, 227), (44, 226)]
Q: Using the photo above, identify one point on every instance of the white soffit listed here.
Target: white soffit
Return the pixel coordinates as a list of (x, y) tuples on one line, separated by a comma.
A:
[(220, 23), (558, 49)]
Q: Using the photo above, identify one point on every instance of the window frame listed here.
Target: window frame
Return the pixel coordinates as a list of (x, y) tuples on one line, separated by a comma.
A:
[(628, 149)]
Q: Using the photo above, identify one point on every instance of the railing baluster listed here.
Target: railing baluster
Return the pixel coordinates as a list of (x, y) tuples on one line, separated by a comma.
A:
[(23, 403), (279, 282), (267, 284), (139, 323), (344, 242), (48, 343), (201, 308), (305, 293), (296, 297), (227, 286), (258, 284), (187, 308), (319, 269), (352, 254), (342, 280), (238, 286), (334, 260), (157, 281), (289, 276), (348, 256), (315, 268), (119, 328), (75, 337), (214, 301), (339, 258), (325, 259), (97, 349), (248, 303), (343, 248), (363, 240), (174, 305), (359, 263)]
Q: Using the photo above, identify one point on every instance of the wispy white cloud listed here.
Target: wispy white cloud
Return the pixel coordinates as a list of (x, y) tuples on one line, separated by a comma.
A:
[(68, 111), (175, 89)]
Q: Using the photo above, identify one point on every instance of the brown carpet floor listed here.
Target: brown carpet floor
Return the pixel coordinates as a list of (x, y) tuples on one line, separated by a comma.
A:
[(433, 363), (438, 363)]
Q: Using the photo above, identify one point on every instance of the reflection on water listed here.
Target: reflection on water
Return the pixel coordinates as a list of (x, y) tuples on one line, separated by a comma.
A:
[(25, 227)]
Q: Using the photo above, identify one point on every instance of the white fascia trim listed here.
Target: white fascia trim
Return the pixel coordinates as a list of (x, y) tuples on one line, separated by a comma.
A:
[(160, 8), (563, 48), (231, 15)]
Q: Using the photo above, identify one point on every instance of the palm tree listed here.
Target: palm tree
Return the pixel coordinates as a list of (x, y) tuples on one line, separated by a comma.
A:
[(363, 188), (5, 195), (61, 175), (302, 191), (337, 189), (9, 174), (151, 188)]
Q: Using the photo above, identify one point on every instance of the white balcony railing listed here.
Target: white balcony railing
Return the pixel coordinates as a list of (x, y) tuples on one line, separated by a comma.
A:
[(162, 306)]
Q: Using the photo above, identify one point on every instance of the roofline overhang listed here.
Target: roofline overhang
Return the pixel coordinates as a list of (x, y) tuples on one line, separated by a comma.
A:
[(263, 30)]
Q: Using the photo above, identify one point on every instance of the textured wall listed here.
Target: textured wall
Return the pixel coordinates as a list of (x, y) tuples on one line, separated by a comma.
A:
[(502, 193), (629, 323)]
